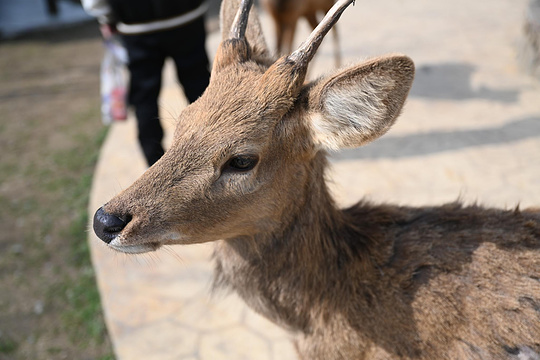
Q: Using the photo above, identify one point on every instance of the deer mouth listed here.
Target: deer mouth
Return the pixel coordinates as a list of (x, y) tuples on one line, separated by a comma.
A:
[(135, 248), (110, 228)]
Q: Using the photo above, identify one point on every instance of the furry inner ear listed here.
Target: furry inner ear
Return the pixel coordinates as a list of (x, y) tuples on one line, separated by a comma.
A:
[(361, 103)]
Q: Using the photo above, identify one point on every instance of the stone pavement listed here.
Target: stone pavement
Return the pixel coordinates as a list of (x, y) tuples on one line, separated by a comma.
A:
[(20, 16), (470, 130)]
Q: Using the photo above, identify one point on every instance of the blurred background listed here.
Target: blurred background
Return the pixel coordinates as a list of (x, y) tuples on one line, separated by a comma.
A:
[(471, 129)]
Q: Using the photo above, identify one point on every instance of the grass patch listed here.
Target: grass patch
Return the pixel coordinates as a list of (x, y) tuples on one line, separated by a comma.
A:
[(50, 138), (83, 311), (84, 306), (7, 345)]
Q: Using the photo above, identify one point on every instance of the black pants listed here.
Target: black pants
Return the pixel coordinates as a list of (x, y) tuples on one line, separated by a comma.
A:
[(147, 54)]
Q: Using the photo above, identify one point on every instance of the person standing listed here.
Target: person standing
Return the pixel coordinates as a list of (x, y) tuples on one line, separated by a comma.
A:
[(151, 31)]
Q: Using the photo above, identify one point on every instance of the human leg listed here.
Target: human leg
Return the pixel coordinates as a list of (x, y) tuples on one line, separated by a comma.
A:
[(145, 66), (187, 49)]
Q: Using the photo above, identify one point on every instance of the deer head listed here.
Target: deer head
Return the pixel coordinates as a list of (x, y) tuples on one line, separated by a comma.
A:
[(244, 152)]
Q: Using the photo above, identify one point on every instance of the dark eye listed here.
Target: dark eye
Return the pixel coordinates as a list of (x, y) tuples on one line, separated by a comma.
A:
[(242, 163)]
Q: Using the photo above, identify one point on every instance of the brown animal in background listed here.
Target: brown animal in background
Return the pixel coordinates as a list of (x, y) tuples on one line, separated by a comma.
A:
[(246, 170), (286, 14)]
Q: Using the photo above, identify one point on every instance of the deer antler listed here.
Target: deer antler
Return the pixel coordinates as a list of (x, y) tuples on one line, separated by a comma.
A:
[(234, 48), (303, 55), (286, 76), (239, 25)]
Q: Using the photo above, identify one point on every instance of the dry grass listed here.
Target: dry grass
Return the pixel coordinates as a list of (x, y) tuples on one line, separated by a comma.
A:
[(50, 133)]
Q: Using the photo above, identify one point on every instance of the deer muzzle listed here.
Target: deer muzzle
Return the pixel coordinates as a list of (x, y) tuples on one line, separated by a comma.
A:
[(108, 226)]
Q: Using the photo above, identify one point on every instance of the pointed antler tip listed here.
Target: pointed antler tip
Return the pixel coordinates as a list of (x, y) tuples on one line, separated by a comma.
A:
[(307, 50), (239, 25)]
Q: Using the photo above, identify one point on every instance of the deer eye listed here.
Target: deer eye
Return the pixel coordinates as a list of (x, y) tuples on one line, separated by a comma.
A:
[(242, 163)]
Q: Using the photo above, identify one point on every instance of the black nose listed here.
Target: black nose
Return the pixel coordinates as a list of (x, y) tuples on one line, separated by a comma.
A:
[(107, 226)]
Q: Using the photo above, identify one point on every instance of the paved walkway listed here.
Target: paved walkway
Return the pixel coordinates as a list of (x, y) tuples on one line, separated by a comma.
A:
[(470, 130), (20, 16)]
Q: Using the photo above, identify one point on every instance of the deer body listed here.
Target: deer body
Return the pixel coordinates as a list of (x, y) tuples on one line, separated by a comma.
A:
[(364, 283), (246, 170), (286, 14)]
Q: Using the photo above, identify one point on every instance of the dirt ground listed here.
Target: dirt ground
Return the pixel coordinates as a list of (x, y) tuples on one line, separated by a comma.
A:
[(50, 132)]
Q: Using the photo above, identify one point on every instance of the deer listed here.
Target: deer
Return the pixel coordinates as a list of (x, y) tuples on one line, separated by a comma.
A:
[(286, 14), (246, 171)]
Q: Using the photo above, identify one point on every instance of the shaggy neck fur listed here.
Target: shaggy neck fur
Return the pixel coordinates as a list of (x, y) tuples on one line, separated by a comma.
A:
[(279, 273)]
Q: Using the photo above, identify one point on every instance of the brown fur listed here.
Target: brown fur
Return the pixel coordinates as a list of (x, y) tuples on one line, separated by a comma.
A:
[(368, 282), (286, 14)]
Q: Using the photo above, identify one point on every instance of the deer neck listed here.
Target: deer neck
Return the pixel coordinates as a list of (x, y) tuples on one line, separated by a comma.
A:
[(278, 272)]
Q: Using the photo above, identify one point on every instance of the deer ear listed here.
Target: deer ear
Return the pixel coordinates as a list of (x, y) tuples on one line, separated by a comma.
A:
[(359, 104)]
